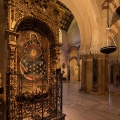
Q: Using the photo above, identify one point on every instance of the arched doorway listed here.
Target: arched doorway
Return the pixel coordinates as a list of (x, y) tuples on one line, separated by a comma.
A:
[(73, 61), (73, 70)]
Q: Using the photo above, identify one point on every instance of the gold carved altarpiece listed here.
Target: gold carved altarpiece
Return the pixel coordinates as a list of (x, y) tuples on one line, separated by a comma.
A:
[(32, 58)]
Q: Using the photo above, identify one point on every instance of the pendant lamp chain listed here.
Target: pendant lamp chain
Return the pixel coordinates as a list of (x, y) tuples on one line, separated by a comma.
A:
[(108, 26)]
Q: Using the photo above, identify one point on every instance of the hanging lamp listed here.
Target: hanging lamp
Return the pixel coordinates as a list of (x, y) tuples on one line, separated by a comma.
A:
[(108, 48)]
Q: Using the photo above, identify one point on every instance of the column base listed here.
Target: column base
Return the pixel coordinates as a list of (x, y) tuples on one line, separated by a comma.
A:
[(111, 83), (81, 90), (94, 92), (60, 117)]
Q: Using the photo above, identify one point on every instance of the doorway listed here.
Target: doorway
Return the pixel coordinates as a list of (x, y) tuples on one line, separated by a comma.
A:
[(73, 70)]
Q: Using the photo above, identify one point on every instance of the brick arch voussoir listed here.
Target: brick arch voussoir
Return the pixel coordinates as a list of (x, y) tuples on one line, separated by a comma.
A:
[(114, 29)]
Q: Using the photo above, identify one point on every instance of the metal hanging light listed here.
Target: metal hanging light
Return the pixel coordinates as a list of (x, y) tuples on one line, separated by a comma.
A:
[(108, 48)]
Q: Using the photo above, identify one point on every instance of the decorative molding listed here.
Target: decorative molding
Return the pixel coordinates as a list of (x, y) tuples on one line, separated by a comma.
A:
[(20, 9), (73, 48), (94, 51), (85, 52), (73, 58)]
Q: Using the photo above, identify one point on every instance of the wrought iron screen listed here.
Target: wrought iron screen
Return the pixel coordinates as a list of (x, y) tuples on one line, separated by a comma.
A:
[(33, 106)]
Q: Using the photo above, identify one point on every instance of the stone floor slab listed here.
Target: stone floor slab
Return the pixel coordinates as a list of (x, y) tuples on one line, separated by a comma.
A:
[(83, 106)]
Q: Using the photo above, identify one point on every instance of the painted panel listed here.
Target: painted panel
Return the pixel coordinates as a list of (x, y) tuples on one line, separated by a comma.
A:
[(32, 60)]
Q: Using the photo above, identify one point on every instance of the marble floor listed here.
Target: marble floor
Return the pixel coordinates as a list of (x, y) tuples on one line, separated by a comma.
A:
[(83, 106)]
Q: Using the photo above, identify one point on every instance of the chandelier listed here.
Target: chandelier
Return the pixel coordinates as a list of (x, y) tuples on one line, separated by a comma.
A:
[(108, 48)]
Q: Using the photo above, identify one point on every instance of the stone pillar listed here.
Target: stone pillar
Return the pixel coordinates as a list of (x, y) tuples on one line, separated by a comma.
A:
[(115, 70), (78, 68), (86, 81), (78, 72), (95, 74), (89, 73), (68, 71), (103, 79), (106, 73), (83, 73), (110, 72)]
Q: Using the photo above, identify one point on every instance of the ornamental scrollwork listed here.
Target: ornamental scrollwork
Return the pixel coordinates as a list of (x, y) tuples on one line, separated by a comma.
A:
[(44, 9)]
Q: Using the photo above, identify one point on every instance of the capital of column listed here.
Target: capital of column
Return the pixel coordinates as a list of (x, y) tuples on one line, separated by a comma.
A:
[(84, 52), (94, 50), (12, 42), (11, 37)]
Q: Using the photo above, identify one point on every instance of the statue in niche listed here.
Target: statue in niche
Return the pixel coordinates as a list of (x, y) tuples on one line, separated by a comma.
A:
[(32, 65)]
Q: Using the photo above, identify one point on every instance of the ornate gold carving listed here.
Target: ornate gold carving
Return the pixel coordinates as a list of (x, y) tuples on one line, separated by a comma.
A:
[(19, 14), (23, 8)]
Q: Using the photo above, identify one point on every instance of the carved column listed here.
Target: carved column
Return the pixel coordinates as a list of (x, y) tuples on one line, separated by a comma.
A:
[(49, 64), (2, 61), (11, 74)]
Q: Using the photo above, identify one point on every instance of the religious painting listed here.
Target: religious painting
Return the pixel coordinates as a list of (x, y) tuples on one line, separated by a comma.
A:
[(32, 60)]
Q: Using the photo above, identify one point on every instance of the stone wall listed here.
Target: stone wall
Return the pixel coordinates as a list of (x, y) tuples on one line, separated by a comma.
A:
[(3, 54)]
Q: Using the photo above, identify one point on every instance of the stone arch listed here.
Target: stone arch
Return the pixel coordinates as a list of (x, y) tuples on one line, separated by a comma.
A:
[(113, 15), (73, 62), (36, 24), (114, 24), (114, 29), (73, 53), (72, 48), (88, 24), (73, 69), (113, 5)]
